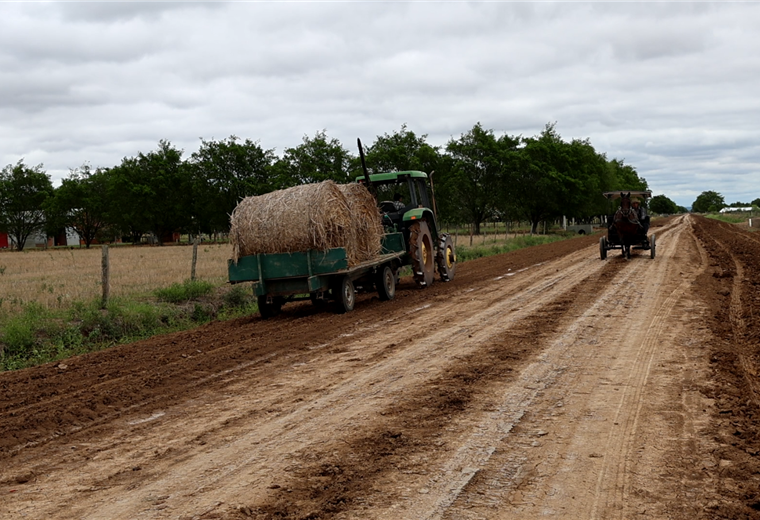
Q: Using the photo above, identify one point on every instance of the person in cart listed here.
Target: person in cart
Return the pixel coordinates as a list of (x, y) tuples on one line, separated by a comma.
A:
[(641, 214)]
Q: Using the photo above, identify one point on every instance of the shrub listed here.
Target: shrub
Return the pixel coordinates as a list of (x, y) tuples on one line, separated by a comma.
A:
[(237, 297), (185, 291), (22, 333)]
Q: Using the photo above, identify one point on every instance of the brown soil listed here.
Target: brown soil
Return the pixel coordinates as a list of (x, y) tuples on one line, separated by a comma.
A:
[(540, 383)]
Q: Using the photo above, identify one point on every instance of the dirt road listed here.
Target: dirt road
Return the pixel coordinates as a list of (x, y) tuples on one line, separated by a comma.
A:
[(541, 383)]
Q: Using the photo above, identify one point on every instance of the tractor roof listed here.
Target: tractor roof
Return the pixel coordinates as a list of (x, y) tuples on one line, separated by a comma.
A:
[(612, 195), (393, 176)]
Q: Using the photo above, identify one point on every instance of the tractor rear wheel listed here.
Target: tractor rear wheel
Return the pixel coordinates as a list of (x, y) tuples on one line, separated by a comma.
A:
[(652, 246), (385, 281), (421, 250), (446, 258), (269, 309), (345, 294)]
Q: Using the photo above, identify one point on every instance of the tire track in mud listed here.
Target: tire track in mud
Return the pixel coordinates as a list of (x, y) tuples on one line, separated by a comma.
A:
[(609, 503), (413, 426), (516, 468), (735, 364)]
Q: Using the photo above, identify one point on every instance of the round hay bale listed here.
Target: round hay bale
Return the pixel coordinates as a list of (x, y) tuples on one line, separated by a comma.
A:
[(366, 222), (312, 216)]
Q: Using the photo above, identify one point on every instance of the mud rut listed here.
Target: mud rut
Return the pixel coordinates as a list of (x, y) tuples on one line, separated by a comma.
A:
[(541, 383)]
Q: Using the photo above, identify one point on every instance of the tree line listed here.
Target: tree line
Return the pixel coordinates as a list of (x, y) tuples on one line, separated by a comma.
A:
[(478, 177)]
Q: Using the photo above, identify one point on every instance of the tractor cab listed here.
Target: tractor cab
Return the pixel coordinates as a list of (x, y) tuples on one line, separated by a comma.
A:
[(403, 197), (409, 208)]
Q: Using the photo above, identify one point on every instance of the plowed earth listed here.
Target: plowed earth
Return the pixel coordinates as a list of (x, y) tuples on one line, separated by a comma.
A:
[(540, 383)]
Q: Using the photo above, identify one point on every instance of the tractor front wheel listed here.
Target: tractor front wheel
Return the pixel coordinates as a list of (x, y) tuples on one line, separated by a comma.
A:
[(421, 250), (446, 258)]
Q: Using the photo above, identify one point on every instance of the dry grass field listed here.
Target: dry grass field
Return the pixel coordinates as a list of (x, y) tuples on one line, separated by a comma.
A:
[(56, 277)]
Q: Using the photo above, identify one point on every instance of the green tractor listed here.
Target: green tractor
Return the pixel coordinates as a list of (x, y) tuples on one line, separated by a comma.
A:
[(404, 199), (411, 238)]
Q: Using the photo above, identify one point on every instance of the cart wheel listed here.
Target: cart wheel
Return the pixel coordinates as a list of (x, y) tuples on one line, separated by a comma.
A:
[(345, 294), (603, 248), (269, 310), (652, 246), (385, 281)]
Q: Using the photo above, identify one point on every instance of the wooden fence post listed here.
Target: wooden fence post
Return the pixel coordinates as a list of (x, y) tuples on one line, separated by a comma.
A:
[(195, 258), (106, 277)]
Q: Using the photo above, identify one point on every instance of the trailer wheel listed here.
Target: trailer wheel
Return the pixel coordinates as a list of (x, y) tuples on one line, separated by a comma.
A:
[(345, 294), (269, 309), (385, 281)]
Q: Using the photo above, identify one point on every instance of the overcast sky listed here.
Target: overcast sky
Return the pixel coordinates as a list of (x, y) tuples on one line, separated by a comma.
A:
[(671, 88)]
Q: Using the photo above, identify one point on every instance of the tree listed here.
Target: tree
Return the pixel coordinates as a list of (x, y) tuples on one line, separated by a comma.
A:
[(151, 192), (756, 202), (81, 202), (223, 173), (551, 178), (24, 191), (662, 205), (476, 170), (624, 177), (401, 151), (708, 201), (316, 159)]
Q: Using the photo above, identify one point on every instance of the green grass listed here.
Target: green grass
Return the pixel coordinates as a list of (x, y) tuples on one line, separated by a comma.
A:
[(465, 253), (38, 335), (185, 291), (731, 219)]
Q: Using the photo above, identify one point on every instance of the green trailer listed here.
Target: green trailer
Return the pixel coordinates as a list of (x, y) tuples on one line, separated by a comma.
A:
[(319, 276)]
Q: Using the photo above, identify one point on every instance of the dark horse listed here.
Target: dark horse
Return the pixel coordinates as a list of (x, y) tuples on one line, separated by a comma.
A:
[(627, 224)]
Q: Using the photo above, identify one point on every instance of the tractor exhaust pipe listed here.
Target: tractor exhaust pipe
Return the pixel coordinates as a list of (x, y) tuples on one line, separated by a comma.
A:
[(364, 168)]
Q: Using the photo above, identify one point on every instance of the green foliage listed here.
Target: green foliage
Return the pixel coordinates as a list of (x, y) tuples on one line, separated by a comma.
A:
[(400, 151), (316, 159), (223, 173), (24, 192), (708, 201), (476, 173), (470, 253), (185, 291), (662, 205), (38, 335), (81, 203), (238, 297), (731, 219), (478, 176), (22, 333), (151, 192)]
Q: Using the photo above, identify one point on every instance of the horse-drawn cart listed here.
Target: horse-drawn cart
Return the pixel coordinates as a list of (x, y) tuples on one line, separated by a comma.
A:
[(627, 227)]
